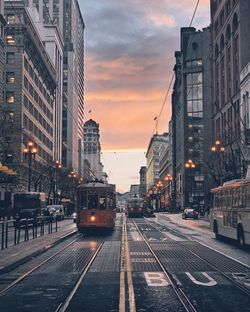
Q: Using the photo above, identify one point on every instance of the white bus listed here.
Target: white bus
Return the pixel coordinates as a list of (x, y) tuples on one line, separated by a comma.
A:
[(230, 214)]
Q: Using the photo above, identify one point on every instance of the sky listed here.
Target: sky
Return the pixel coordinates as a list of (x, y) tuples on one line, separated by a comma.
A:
[(129, 60)]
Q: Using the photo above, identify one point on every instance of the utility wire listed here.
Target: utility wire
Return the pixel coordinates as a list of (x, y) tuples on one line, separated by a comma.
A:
[(172, 78)]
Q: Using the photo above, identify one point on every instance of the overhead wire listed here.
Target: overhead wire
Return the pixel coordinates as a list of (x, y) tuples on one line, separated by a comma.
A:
[(172, 78)]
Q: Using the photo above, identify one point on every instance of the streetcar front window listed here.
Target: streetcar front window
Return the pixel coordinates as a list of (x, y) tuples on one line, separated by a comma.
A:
[(83, 203), (102, 202), (92, 200)]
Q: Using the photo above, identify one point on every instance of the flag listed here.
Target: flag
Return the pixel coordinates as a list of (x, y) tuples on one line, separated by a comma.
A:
[(155, 118)]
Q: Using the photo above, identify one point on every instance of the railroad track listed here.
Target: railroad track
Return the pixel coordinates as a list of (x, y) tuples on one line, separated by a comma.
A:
[(202, 260), (28, 273), (64, 305), (54, 281), (188, 306), (219, 262)]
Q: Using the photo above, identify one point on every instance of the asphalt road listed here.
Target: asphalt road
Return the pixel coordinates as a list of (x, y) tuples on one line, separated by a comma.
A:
[(160, 264)]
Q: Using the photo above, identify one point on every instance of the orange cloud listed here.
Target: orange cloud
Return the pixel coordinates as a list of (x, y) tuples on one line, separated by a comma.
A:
[(162, 20)]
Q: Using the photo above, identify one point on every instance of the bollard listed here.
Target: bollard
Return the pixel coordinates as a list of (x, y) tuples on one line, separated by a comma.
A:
[(2, 244), (26, 236), (56, 224), (42, 227), (6, 234)]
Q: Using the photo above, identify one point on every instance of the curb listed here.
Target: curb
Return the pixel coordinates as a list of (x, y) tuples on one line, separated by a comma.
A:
[(22, 261)]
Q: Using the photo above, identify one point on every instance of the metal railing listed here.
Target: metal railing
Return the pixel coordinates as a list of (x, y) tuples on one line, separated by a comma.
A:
[(12, 232)]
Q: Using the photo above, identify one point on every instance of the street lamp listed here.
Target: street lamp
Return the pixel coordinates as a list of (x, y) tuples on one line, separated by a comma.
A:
[(218, 149), (189, 165), (169, 180), (30, 152), (72, 176)]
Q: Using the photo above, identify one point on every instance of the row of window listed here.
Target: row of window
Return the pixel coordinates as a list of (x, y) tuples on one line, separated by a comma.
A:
[(233, 198), (34, 112), (37, 132), (29, 69), (219, 23), (28, 86)]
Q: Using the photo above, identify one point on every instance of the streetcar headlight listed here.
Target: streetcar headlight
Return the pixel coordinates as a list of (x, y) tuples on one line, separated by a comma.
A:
[(92, 218)]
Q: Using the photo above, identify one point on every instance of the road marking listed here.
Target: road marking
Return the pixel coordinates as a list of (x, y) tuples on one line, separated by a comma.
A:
[(122, 274), (211, 281), (156, 279), (131, 293)]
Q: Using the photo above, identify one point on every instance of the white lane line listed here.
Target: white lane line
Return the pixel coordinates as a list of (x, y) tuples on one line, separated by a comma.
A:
[(122, 273), (131, 292)]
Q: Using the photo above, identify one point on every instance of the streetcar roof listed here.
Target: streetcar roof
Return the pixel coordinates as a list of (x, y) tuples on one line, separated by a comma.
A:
[(96, 185), (231, 184)]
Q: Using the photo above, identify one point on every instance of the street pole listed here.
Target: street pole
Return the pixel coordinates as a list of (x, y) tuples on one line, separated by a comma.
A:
[(29, 165)]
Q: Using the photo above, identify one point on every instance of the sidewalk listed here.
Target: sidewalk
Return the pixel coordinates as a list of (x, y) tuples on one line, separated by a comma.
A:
[(16, 255)]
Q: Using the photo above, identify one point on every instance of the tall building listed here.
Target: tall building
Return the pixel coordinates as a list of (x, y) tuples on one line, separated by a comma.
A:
[(245, 111), (29, 93), (67, 15), (143, 185), (2, 24), (191, 122), (92, 147), (230, 24), (156, 146), (53, 42), (134, 190), (166, 173)]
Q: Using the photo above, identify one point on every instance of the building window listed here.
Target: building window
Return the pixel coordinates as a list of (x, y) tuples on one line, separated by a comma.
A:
[(11, 19), (10, 39), (10, 57), (10, 98), (10, 77)]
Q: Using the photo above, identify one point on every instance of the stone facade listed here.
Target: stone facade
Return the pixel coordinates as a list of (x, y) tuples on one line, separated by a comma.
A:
[(230, 26), (92, 148), (156, 146)]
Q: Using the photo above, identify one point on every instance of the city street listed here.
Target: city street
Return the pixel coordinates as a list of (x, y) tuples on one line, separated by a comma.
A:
[(157, 264)]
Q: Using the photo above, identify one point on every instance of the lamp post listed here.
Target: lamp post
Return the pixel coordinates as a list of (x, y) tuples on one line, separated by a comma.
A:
[(189, 165), (57, 167), (30, 152), (72, 176), (169, 180), (218, 149)]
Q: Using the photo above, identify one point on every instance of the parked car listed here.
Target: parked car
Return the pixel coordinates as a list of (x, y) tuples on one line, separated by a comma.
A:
[(190, 213), (55, 211)]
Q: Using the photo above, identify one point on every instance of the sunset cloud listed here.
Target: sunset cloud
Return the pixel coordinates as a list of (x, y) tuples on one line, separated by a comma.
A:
[(129, 63), (162, 20)]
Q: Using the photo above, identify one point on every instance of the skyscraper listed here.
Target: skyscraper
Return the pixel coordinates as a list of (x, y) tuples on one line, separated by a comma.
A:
[(67, 15), (191, 122)]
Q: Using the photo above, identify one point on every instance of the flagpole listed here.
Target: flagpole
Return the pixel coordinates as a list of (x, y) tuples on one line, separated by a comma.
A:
[(156, 125)]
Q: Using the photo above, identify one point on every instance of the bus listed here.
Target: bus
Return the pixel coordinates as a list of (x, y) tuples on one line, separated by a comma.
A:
[(134, 207), (95, 206), (230, 213), (29, 204)]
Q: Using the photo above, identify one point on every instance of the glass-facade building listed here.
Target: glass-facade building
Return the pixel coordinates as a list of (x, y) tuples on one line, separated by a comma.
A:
[(191, 120)]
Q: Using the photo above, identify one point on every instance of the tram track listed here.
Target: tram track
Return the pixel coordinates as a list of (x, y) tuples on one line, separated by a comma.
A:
[(229, 268), (54, 281), (179, 293), (63, 306), (28, 273)]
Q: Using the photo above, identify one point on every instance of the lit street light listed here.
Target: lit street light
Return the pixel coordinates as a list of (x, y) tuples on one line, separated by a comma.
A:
[(30, 151)]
